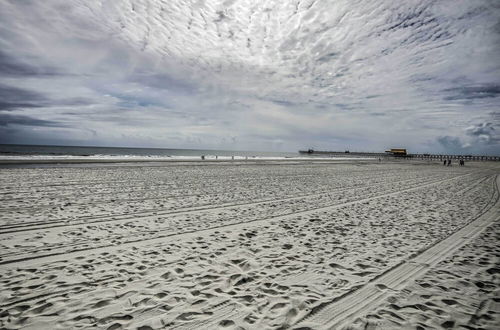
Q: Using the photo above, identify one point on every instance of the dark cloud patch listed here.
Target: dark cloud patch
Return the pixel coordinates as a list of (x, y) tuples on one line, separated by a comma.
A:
[(12, 98), (413, 18), (9, 119), (345, 106), (9, 106), (418, 78), (11, 93), (283, 103), (12, 67), (450, 143), (473, 92), (321, 106), (328, 57)]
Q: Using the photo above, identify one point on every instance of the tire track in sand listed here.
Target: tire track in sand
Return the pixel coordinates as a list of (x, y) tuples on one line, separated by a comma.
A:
[(101, 218), (51, 256), (342, 310)]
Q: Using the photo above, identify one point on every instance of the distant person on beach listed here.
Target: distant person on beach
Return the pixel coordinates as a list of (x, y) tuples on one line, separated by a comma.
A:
[(202, 157), (444, 162), (449, 162)]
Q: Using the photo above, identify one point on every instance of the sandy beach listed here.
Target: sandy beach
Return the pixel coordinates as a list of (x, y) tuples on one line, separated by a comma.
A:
[(250, 245)]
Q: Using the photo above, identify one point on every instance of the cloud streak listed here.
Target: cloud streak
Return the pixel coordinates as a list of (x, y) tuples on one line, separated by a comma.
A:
[(12, 98)]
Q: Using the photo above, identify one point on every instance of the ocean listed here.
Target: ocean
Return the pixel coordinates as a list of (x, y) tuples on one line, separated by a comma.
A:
[(42, 151)]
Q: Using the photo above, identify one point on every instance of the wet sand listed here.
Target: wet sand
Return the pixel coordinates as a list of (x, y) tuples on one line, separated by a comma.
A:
[(248, 245)]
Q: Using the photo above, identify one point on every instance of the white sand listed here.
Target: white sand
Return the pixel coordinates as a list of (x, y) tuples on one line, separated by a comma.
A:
[(255, 246), (461, 292)]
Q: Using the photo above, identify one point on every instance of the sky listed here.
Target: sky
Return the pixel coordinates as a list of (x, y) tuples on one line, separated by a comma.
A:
[(268, 75)]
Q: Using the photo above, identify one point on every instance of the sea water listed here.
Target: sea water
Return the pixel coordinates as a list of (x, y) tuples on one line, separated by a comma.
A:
[(44, 152)]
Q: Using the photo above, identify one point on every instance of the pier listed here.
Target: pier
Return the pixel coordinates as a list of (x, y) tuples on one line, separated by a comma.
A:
[(406, 156)]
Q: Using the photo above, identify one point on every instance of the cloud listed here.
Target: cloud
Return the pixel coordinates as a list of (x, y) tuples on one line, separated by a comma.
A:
[(12, 98), (9, 119), (481, 129), (481, 137), (164, 81), (12, 67), (484, 133), (246, 74), (474, 92), (451, 143)]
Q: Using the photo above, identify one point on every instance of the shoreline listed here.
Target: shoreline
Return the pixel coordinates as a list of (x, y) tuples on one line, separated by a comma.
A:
[(143, 160), (12, 163)]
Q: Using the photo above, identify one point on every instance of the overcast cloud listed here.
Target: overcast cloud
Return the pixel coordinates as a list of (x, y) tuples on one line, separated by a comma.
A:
[(252, 74)]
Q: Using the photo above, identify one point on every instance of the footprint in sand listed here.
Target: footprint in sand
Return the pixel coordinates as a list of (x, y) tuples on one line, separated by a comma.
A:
[(226, 323)]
